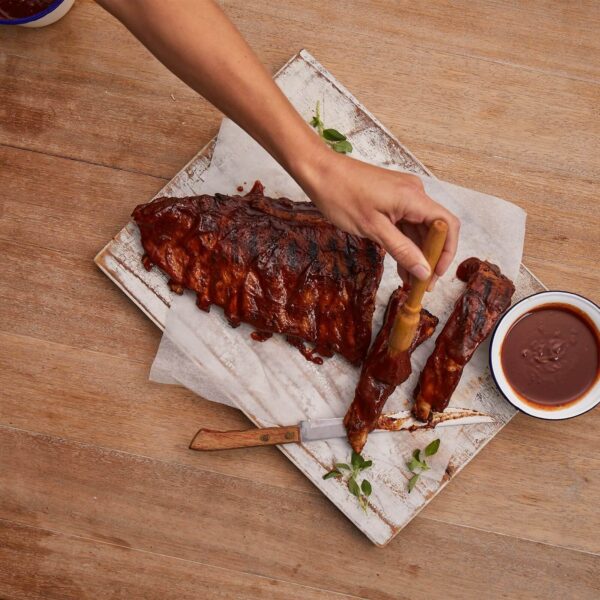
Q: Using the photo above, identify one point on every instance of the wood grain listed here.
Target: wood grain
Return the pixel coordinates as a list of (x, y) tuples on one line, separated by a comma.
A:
[(455, 99), (45, 565), (493, 93), (211, 439), (108, 402), (187, 513)]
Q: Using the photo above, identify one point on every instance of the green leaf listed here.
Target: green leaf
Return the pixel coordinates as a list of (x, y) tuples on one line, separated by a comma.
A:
[(342, 147), (333, 473), (366, 488), (366, 464), (333, 135), (417, 454), (432, 448), (315, 122), (353, 487), (414, 464), (342, 466), (412, 482), (356, 460)]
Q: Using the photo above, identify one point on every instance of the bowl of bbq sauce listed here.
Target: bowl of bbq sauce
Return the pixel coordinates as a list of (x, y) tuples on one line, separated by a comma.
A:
[(545, 355), (33, 13)]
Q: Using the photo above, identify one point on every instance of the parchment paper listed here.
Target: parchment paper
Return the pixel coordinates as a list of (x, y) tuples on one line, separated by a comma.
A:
[(271, 381)]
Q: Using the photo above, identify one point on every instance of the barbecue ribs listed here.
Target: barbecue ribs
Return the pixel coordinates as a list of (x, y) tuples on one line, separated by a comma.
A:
[(487, 296), (275, 264), (371, 394)]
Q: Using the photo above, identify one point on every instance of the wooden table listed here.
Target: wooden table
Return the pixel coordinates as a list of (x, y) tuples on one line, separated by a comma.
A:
[(99, 496)]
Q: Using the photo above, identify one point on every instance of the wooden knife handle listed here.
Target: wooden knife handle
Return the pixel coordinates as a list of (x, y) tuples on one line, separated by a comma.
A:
[(208, 439), (407, 318)]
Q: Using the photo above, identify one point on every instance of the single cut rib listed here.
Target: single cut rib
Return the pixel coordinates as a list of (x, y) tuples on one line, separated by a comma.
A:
[(371, 394), (475, 313), (275, 264)]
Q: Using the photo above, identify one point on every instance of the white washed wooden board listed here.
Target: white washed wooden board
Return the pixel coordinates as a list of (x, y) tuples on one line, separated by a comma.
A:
[(392, 508)]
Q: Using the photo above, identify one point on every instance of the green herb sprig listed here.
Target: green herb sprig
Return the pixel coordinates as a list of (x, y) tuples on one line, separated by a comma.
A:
[(350, 473), (332, 137), (418, 466)]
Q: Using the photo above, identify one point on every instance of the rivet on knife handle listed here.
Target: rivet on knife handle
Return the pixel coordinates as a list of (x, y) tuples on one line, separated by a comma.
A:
[(208, 439)]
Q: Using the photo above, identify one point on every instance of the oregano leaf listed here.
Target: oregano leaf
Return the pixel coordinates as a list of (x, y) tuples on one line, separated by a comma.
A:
[(412, 482), (356, 460), (432, 448), (333, 135), (342, 147), (353, 487), (366, 488)]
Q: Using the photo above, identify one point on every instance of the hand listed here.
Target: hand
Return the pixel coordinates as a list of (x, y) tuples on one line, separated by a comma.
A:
[(385, 206)]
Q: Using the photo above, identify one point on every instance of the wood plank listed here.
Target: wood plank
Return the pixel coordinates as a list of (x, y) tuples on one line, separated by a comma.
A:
[(553, 36), (34, 283), (550, 36), (104, 495), (493, 108), (107, 401), (36, 563), (66, 205), (90, 116)]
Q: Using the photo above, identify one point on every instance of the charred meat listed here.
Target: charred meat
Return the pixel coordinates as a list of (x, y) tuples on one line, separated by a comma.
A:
[(371, 394), (487, 296), (275, 264)]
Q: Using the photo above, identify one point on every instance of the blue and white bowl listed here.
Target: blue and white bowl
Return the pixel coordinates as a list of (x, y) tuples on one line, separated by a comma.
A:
[(51, 14)]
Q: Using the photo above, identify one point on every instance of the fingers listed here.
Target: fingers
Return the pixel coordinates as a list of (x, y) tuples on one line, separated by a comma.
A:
[(432, 282), (429, 211), (449, 251), (402, 249)]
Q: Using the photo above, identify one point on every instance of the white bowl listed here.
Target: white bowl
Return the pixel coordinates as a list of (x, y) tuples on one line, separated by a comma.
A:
[(588, 401)]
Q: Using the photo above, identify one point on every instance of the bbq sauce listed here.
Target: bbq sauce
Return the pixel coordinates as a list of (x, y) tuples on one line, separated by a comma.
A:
[(551, 355)]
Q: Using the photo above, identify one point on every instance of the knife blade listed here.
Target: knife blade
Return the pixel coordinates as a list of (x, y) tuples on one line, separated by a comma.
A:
[(323, 429)]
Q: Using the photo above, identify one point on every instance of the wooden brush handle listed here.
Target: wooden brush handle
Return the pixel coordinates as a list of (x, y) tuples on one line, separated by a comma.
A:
[(407, 319), (208, 439)]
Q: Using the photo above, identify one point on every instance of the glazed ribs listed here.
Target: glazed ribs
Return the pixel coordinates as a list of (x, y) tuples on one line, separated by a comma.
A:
[(487, 296), (275, 264), (371, 394)]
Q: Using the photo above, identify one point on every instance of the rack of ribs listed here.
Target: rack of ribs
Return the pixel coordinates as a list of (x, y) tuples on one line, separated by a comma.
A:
[(275, 264), (371, 394), (487, 296)]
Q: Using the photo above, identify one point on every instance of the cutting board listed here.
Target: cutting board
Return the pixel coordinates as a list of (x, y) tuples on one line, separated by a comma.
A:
[(391, 506)]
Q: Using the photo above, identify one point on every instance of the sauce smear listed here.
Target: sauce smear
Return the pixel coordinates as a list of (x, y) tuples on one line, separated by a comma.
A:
[(551, 355)]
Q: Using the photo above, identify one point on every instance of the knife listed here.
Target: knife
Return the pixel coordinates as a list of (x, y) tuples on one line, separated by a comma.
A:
[(324, 429)]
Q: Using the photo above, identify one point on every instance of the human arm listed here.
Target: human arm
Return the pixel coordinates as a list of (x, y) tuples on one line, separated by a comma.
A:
[(196, 41)]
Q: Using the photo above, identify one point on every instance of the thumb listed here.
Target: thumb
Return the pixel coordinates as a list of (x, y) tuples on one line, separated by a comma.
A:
[(401, 248)]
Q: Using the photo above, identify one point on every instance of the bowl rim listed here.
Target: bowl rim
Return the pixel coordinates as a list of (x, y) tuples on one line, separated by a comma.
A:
[(55, 4), (520, 407)]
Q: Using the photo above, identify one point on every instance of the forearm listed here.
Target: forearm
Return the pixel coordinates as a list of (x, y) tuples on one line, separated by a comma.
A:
[(196, 41)]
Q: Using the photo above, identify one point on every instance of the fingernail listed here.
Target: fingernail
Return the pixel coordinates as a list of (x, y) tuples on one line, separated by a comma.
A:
[(421, 272)]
